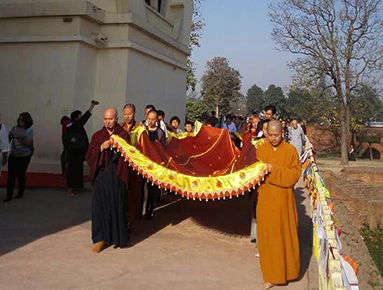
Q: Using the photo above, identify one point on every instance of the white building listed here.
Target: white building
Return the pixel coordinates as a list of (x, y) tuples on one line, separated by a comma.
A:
[(58, 55)]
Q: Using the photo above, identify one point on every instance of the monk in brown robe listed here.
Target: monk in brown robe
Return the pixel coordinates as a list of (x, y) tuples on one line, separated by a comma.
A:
[(134, 181), (277, 216), (109, 175)]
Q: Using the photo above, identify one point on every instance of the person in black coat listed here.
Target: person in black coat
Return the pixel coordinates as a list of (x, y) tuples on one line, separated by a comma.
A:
[(155, 134), (76, 146)]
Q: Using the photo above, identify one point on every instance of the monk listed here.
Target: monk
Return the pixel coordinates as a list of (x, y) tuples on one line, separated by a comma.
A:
[(277, 216), (109, 179), (129, 112), (134, 181)]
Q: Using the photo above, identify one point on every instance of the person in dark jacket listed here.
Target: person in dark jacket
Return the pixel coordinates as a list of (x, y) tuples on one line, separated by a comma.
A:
[(65, 121), (270, 111), (76, 147), (155, 134)]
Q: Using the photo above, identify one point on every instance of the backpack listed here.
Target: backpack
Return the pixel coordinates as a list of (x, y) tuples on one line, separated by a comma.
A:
[(76, 141)]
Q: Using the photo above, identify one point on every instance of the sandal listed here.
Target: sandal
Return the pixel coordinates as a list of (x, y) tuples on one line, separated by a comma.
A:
[(266, 285)]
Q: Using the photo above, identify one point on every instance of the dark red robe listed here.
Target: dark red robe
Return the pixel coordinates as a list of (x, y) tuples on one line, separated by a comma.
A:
[(109, 173), (97, 160)]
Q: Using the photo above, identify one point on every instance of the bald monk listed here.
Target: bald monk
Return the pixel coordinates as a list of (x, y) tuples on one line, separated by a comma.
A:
[(277, 216), (129, 112), (109, 178)]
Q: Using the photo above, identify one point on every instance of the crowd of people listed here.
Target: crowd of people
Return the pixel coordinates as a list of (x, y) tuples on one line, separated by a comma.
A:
[(255, 126), (120, 197), (75, 140), (115, 186)]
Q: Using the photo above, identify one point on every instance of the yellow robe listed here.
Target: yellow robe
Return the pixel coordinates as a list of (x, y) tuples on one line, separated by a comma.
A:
[(277, 216)]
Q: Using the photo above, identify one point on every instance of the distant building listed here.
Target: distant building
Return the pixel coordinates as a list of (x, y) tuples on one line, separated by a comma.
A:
[(58, 55)]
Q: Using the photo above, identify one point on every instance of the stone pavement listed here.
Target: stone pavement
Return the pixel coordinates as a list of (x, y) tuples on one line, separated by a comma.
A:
[(45, 244)]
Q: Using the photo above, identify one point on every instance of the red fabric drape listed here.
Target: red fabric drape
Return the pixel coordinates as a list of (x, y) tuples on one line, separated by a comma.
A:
[(210, 153)]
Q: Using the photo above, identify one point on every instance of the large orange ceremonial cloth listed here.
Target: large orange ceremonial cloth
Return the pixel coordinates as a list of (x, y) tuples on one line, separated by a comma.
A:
[(277, 217), (203, 165)]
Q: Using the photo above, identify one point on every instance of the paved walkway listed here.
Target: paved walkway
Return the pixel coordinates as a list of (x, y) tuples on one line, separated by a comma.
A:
[(45, 244)]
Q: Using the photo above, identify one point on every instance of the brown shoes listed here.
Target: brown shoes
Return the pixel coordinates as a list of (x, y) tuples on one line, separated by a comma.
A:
[(98, 247)]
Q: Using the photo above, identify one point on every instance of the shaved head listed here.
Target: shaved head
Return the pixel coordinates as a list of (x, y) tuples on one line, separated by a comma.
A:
[(275, 133), (131, 106), (111, 111), (129, 113), (274, 126), (110, 118)]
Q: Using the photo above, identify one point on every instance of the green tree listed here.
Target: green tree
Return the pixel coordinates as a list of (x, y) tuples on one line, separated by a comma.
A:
[(338, 38), (274, 95), (196, 110), (191, 80), (312, 105), (300, 104), (366, 105), (221, 85), (254, 99)]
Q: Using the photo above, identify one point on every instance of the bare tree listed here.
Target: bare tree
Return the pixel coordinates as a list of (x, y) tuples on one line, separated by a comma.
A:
[(198, 23), (341, 39)]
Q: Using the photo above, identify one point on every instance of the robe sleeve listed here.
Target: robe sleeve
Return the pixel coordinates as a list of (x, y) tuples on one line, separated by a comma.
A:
[(286, 176), (93, 156)]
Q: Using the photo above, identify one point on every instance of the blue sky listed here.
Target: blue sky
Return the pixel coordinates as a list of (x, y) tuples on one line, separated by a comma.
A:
[(240, 31)]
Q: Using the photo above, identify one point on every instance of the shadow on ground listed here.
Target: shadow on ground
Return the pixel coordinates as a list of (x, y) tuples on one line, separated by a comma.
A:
[(305, 230), (230, 217), (41, 212), (46, 211)]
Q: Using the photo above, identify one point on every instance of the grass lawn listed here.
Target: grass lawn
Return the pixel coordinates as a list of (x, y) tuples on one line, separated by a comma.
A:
[(374, 242)]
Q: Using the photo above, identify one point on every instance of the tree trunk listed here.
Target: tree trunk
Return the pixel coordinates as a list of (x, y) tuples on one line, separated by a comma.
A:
[(353, 133), (344, 129), (370, 148), (216, 111)]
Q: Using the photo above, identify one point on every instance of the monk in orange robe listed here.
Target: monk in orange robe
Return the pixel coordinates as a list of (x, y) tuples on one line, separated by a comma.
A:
[(277, 216)]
